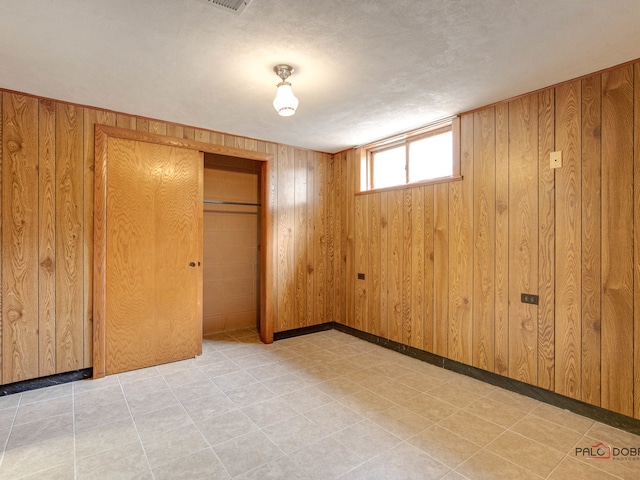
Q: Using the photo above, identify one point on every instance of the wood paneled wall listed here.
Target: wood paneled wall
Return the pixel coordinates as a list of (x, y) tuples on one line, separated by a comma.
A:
[(445, 264), (47, 155)]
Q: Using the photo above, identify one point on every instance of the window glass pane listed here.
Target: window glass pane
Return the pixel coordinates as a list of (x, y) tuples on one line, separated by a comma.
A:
[(431, 157), (389, 167)]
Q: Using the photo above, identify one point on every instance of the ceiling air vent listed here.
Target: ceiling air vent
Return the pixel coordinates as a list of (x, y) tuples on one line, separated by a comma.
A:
[(234, 6)]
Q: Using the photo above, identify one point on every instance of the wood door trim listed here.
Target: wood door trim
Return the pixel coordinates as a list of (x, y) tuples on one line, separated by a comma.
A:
[(102, 135)]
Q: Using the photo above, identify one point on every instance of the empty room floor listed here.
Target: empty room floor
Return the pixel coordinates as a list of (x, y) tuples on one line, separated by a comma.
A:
[(321, 406)]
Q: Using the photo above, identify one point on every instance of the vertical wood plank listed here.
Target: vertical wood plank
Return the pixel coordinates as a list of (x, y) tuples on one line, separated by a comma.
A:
[(546, 244), (441, 270), (309, 229), (203, 136), (1, 230), (69, 238), (331, 239), (591, 225), (501, 327), (159, 128), (461, 251), (361, 257), (271, 184), (429, 288), (285, 263), (416, 310), (407, 209), (125, 121), (349, 245), (484, 213), (339, 255), (175, 130), (384, 264), (523, 237), (142, 125), (302, 208), (320, 240), (395, 262), (568, 241), (47, 240), (19, 237), (617, 240), (636, 243), (373, 272)]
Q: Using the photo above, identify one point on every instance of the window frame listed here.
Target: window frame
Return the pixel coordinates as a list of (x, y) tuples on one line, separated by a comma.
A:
[(366, 155)]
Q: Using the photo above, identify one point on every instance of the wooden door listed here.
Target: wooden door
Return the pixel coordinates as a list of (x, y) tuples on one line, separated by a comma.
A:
[(153, 297)]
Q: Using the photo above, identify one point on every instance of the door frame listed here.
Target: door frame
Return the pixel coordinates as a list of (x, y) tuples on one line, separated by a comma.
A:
[(102, 134)]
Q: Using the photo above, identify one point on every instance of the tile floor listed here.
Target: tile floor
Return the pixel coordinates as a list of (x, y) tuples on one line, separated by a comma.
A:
[(322, 406)]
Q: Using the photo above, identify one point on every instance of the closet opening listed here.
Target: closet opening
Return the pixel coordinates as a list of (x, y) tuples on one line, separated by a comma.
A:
[(232, 232)]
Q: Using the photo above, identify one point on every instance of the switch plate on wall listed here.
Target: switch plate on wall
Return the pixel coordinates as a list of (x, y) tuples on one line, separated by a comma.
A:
[(555, 159)]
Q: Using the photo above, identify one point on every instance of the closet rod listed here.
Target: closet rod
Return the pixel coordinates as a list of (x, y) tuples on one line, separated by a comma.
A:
[(220, 202)]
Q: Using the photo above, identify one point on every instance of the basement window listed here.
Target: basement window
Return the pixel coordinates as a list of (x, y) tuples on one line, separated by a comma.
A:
[(423, 156)]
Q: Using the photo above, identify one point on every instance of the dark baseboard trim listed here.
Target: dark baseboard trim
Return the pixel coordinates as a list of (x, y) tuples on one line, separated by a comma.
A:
[(602, 415), (43, 382), (296, 332)]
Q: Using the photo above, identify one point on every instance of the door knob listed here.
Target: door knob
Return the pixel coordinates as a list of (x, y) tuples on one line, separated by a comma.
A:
[(192, 264)]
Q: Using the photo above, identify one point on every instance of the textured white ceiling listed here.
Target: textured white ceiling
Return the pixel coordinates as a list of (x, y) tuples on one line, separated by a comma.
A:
[(364, 69)]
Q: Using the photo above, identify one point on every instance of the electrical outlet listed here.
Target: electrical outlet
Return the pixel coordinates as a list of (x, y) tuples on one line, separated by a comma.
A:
[(555, 159), (529, 298)]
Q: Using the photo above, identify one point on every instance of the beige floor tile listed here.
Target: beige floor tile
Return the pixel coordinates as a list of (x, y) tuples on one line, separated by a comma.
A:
[(280, 469), (454, 395), (106, 437), (404, 462), (527, 453), (36, 457), (250, 394), (193, 391), (307, 399), (325, 460), (401, 422), (10, 401), (513, 399), (338, 387), (137, 375), (570, 469), (91, 416), (157, 422), (226, 426), (184, 377), (333, 417), (612, 435), (487, 466), (471, 427), (391, 368), (89, 384), (233, 381), (473, 385), (394, 391), (44, 409), (61, 472), (294, 433), (203, 465), (420, 381), (149, 402), (220, 369), (547, 433), (270, 411), (285, 384), (168, 369), (496, 412), (366, 403), (125, 462), (144, 386), (171, 445), (47, 393), (7, 415), (208, 407), (444, 446), (453, 475), (99, 396), (567, 419), (50, 428), (366, 439), (430, 407), (247, 452)]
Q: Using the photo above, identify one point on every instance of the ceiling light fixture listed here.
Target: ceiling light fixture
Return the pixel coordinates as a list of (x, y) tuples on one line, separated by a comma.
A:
[(285, 102)]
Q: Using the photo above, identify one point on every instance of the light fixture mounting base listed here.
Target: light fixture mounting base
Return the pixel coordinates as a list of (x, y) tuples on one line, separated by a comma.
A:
[(283, 71)]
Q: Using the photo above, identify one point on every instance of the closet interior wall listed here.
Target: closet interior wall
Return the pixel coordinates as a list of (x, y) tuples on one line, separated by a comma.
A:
[(231, 243)]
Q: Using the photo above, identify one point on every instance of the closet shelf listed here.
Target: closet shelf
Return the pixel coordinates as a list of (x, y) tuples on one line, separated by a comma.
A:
[(221, 202)]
